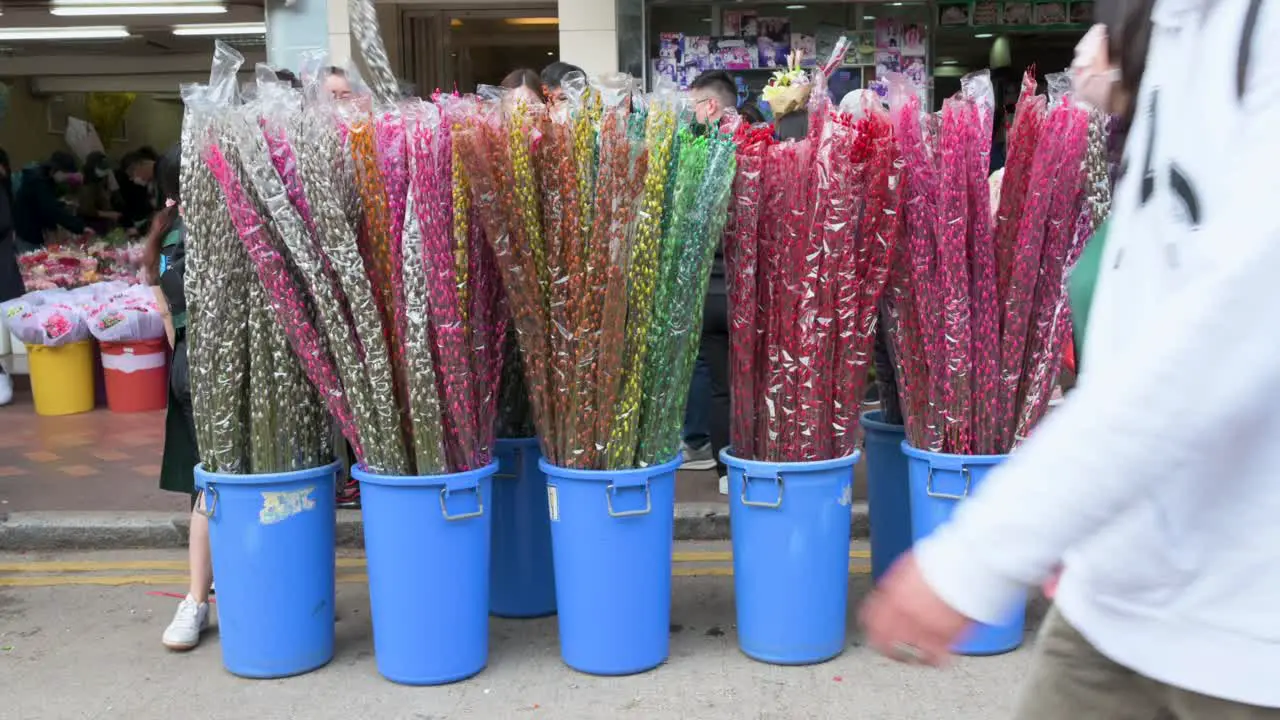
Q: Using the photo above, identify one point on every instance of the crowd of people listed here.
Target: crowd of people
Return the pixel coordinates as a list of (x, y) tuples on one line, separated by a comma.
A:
[(60, 198)]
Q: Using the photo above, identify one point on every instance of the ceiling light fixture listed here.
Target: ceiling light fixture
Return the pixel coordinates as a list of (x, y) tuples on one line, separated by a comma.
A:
[(220, 29), (78, 10), (796, 7), (95, 32), (983, 36)]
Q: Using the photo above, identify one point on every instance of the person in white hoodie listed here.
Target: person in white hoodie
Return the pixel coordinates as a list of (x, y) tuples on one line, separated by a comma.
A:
[(1162, 503)]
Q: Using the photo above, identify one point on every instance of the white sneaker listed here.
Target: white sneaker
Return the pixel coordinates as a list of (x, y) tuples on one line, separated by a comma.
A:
[(6, 388), (724, 484), (191, 619), (699, 458)]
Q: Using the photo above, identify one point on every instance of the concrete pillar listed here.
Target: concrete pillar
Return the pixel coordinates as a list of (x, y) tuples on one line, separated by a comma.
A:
[(589, 34), (307, 25)]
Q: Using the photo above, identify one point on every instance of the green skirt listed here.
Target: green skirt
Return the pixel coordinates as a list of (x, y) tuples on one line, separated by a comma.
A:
[(178, 464)]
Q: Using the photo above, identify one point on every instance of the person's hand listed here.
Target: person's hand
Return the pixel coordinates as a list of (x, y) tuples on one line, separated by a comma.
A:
[(905, 620), (160, 222)]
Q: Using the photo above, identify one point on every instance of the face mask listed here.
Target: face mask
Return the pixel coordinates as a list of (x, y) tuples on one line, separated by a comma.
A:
[(1092, 74)]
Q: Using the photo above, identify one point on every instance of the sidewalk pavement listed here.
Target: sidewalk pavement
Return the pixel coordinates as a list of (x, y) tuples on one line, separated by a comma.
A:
[(80, 635), (91, 481)]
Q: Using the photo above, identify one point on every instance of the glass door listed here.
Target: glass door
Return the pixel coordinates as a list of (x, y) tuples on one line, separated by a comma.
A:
[(461, 49)]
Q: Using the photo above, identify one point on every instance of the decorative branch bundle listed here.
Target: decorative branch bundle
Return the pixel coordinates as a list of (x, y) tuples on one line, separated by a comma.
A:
[(388, 314), (977, 311), (603, 220), (254, 413), (812, 235)]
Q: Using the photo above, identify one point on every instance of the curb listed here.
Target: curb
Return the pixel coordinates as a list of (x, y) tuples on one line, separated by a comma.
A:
[(53, 530)]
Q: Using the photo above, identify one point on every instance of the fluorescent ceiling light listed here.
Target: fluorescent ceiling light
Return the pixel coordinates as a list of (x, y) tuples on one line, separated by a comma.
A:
[(983, 36), (78, 10), (532, 21), (97, 32), (796, 7), (221, 29)]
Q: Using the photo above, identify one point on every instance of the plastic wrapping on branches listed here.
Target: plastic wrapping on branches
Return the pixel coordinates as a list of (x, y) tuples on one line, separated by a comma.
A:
[(1025, 270), (461, 330), (364, 28), (742, 258), (1049, 305), (216, 280), (322, 170), (601, 319), (954, 277), (919, 319), (487, 147), (702, 181), (379, 250), (329, 360), (878, 238)]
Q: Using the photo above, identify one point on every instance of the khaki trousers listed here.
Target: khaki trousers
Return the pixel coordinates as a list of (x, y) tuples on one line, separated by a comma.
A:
[(1070, 680)]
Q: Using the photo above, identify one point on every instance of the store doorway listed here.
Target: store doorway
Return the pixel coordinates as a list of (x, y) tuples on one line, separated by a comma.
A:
[(462, 49)]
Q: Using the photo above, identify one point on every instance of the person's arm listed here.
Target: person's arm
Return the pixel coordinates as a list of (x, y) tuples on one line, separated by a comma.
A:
[(1136, 424), (52, 207), (154, 242)]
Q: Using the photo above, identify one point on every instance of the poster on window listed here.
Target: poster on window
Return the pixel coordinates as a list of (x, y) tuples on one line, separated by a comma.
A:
[(888, 35), (774, 41), (914, 40)]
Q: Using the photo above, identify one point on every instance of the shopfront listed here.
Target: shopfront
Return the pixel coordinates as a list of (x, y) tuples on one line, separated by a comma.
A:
[(932, 44), (461, 48)]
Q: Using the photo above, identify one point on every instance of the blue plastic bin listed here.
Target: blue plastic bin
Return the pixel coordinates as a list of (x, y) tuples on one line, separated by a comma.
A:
[(272, 542), (522, 580), (888, 494), (938, 482), (611, 535), (790, 526), (427, 543)]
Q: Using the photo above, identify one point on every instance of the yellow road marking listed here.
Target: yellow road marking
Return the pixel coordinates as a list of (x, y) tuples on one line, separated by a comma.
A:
[(344, 578), (81, 566)]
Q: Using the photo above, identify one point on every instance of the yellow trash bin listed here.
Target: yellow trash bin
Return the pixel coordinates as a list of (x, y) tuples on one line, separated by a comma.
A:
[(62, 378)]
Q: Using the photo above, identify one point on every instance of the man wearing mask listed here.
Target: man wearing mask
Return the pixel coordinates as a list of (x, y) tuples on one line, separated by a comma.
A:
[(136, 179), (39, 208)]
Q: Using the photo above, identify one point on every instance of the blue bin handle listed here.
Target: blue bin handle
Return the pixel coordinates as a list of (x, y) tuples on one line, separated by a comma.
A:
[(203, 505), (968, 481), (648, 501), (746, 481), (444, 507)]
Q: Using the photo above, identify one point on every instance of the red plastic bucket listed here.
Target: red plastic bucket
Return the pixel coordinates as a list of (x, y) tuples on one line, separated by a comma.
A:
[(136, 375)]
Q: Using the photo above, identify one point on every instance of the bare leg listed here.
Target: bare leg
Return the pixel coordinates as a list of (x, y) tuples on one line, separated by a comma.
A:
[(199, 558)]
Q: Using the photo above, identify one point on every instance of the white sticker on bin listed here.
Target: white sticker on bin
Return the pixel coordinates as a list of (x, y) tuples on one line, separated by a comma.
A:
[(553, 503), (280, 506), (128, 362)]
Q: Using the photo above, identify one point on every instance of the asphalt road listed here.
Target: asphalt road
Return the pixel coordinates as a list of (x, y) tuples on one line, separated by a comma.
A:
[(80, 638)]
